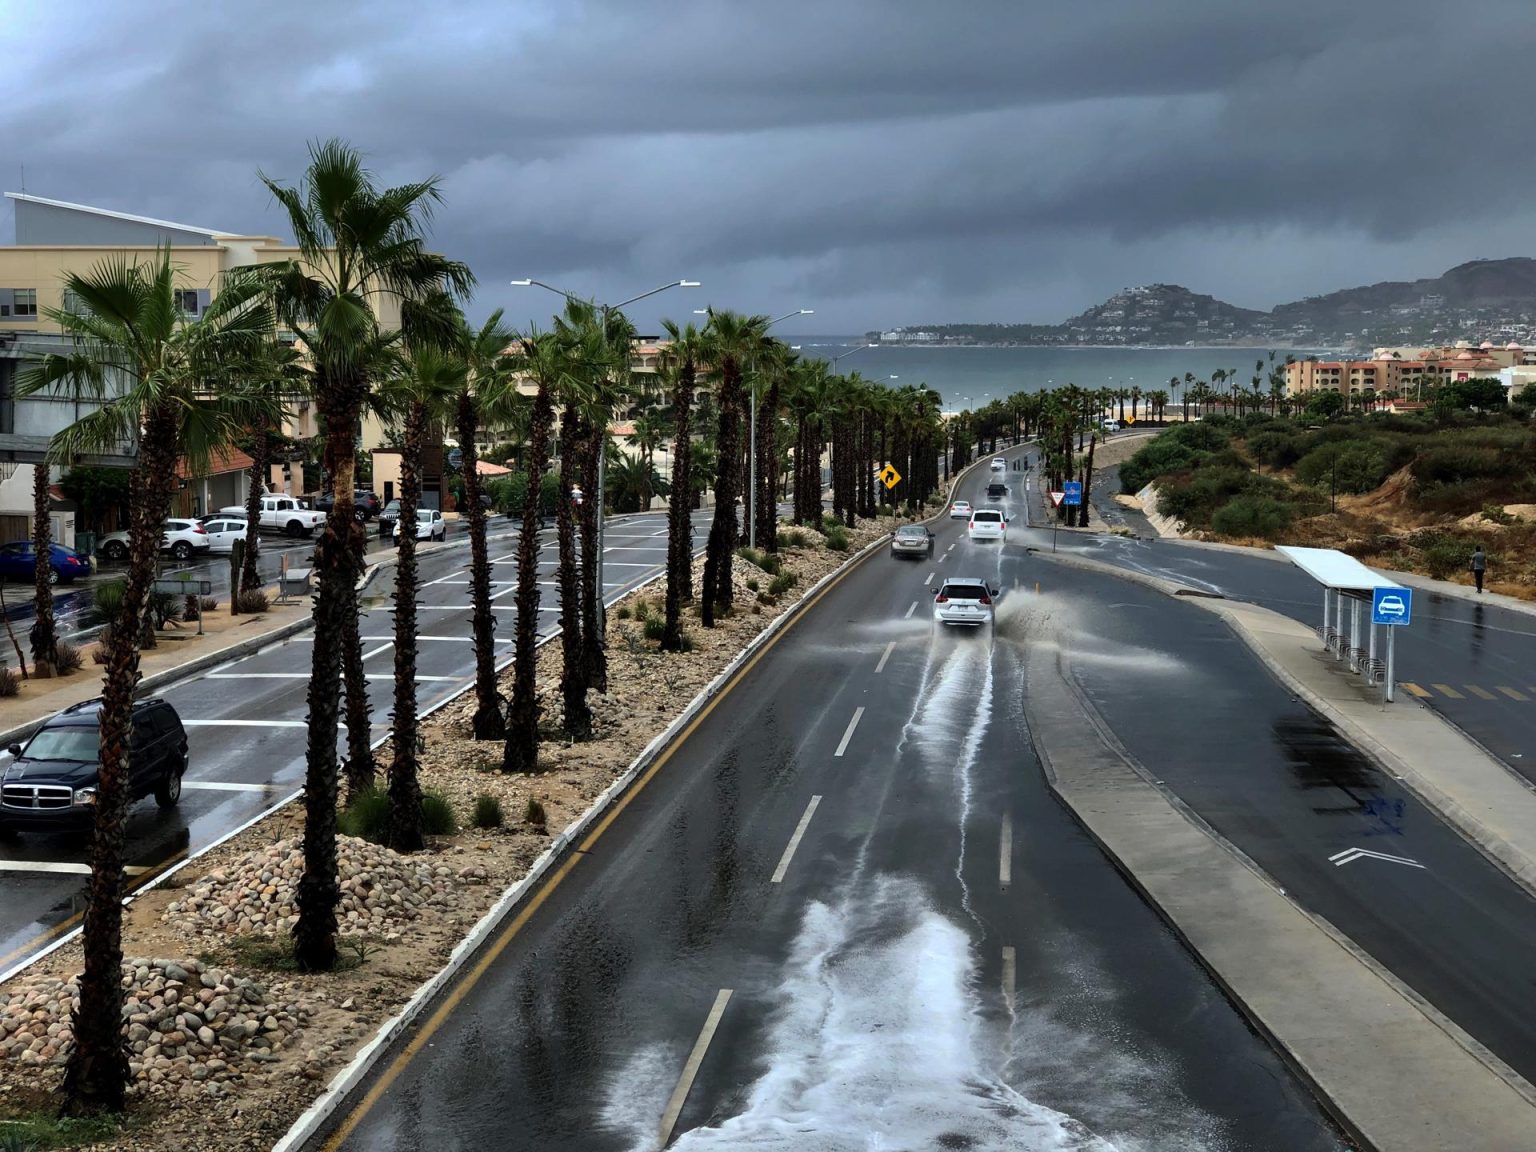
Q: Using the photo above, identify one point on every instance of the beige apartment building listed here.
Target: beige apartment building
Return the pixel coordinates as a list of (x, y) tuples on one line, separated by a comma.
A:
[(1403, 371)]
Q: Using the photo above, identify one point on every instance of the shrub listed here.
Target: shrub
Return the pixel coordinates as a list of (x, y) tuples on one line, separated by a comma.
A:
[(1443, 555), (1355, 467), (69, 658), (642, 610), (252, 603), (192, 609), (750, 555), (793, 538), (10, 682), (534, 814), (1275, 448), (1496, 514), (367, 816), (437, 818), (829, 521), (623, 613), (103, 638), (837, 539), (752, 584), (1252, 515), (781, 584), (161, 608), (655, 627), (108, 599), (208, 604), (487, 812)]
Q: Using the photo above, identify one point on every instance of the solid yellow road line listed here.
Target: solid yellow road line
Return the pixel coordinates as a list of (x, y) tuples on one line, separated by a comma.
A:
[(1481, 693), (536, 901), (1447, 690), (1513, 694), (1413, 689)]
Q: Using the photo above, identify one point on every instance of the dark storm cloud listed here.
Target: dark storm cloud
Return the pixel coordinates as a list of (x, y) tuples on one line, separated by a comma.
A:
[(881, 162)]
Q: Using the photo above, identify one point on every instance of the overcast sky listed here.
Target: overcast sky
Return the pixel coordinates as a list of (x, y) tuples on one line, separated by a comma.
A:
[(880, 161)]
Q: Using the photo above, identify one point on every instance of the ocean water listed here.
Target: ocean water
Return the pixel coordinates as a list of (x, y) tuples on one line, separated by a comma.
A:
[(975, 376)]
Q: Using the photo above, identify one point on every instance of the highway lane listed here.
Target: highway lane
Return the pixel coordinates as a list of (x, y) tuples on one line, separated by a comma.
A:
[(1473, 663), (245, 721), (1201, 715), (920, 947)]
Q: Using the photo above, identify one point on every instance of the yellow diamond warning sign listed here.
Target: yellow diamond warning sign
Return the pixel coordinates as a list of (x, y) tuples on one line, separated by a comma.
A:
[(889, 476)]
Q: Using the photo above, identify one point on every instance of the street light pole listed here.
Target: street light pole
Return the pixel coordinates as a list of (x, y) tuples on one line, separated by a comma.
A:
[(602, 455)]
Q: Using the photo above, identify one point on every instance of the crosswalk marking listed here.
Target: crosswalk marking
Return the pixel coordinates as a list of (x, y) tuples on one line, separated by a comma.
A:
[(1447, 690), (1481, 693), (1413, 689), (1513, 694)]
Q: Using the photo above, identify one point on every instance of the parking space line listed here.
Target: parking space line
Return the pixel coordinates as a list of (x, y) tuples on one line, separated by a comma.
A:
[(842, 745), (1481, 693), (1447, 690), (886, 655), (221, 786), (1513, 694), (244, 723), (794, 841), (691, 1068), (385, 647)]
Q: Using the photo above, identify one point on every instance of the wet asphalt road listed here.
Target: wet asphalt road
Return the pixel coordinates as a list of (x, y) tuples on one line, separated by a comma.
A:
[(245, 720), (1476, 650), (908, 982)]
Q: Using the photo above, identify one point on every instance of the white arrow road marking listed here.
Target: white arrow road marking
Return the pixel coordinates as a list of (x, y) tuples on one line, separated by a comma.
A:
[(1351, 854)]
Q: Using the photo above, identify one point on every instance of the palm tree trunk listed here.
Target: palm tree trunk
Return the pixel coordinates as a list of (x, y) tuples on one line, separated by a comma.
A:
[(97, 1074), (44, 638), (404, 782), (314, 935), (594, 652), (521, 752), (573, 677), (361, 772), (261, 460), (679, 512), (722, 529), (488, 723), (1082, 513), (768, 469)]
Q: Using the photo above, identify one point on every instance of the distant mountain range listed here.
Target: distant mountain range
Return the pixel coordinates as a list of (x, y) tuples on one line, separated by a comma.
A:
[(1482, 299)]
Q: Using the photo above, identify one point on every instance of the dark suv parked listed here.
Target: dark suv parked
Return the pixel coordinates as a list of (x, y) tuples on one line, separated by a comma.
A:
[(51, 783), (365, 503)]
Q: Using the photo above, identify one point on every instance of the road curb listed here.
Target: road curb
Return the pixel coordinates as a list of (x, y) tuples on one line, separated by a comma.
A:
[(336, 1093)]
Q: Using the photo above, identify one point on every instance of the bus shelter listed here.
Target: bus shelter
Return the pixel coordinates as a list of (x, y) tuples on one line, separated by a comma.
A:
[(1348, 590)]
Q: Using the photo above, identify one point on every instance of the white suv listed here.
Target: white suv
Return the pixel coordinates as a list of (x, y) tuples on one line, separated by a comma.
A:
[(988, 524), (182, 539), (999, 464), (964, 600)]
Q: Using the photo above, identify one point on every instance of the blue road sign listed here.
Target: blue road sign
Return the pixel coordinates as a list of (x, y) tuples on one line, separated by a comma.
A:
[(1074, 492), (1391, 605), (456, 458)]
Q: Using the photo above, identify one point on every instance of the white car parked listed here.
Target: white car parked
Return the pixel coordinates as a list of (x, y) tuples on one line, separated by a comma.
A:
[(182, 539), (430, 525), (988, 524), (964, 600), (223, 532)]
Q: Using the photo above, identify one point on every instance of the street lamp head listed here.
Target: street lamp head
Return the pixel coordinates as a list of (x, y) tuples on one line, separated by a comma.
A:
[(807, 311), (701, 311), (521, 283), (688, 283)]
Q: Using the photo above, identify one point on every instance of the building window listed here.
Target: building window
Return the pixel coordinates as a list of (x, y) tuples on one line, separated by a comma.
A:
[(186, 300), (18, 303)]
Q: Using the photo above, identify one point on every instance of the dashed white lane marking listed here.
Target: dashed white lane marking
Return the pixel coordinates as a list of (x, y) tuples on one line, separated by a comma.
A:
[(951, 548), (884, 656), (691, 1068), (1010, 971), (910, 610), (928, 579), (1005, 853), (221, 786), (842, 745), (794, 841)]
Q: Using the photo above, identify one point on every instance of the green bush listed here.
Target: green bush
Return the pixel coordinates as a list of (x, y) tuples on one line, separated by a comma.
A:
[(655, 627), (828, 521), (752, 584), (366, 817), (108, 599), (1275, 448), (837, 539), (10, 682), (69, 658), (623, 612), (793, 538), (534, 814), (437, 818), (1354, 467), (642, 610), (781, 584), (487, 812), (252, 603), (767, 561), (1444, 556), (1252, 515)]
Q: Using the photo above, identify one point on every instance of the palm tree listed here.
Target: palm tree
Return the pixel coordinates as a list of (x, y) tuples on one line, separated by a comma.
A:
[(424, 393), (1189, 381), (775, 365), (279, 371), (155, 374), (489, 395), (541, 358), (360, 247), (733, 341), (680, 368), (44, 638)]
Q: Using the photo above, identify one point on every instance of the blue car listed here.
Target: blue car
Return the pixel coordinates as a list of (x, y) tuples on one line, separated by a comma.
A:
[(18, 562)]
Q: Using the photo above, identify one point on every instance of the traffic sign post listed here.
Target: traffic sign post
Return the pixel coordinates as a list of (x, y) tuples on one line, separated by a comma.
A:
[(1392, 607)]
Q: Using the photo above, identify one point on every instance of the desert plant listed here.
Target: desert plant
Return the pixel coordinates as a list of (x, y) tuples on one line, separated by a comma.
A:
[(366, 816), (837, 539), (252, 603), (69, 659), (1443, 555), (642, 610), (208, 604), (752, 584), (534, 814), (437, 818), (654, 627), (1252, 515), (782, 583), (793, 538), (10, 682), (623, 612), (487, 812)]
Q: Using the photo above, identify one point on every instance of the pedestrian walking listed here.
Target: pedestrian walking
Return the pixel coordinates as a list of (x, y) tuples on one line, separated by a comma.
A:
[(1479, 566)]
